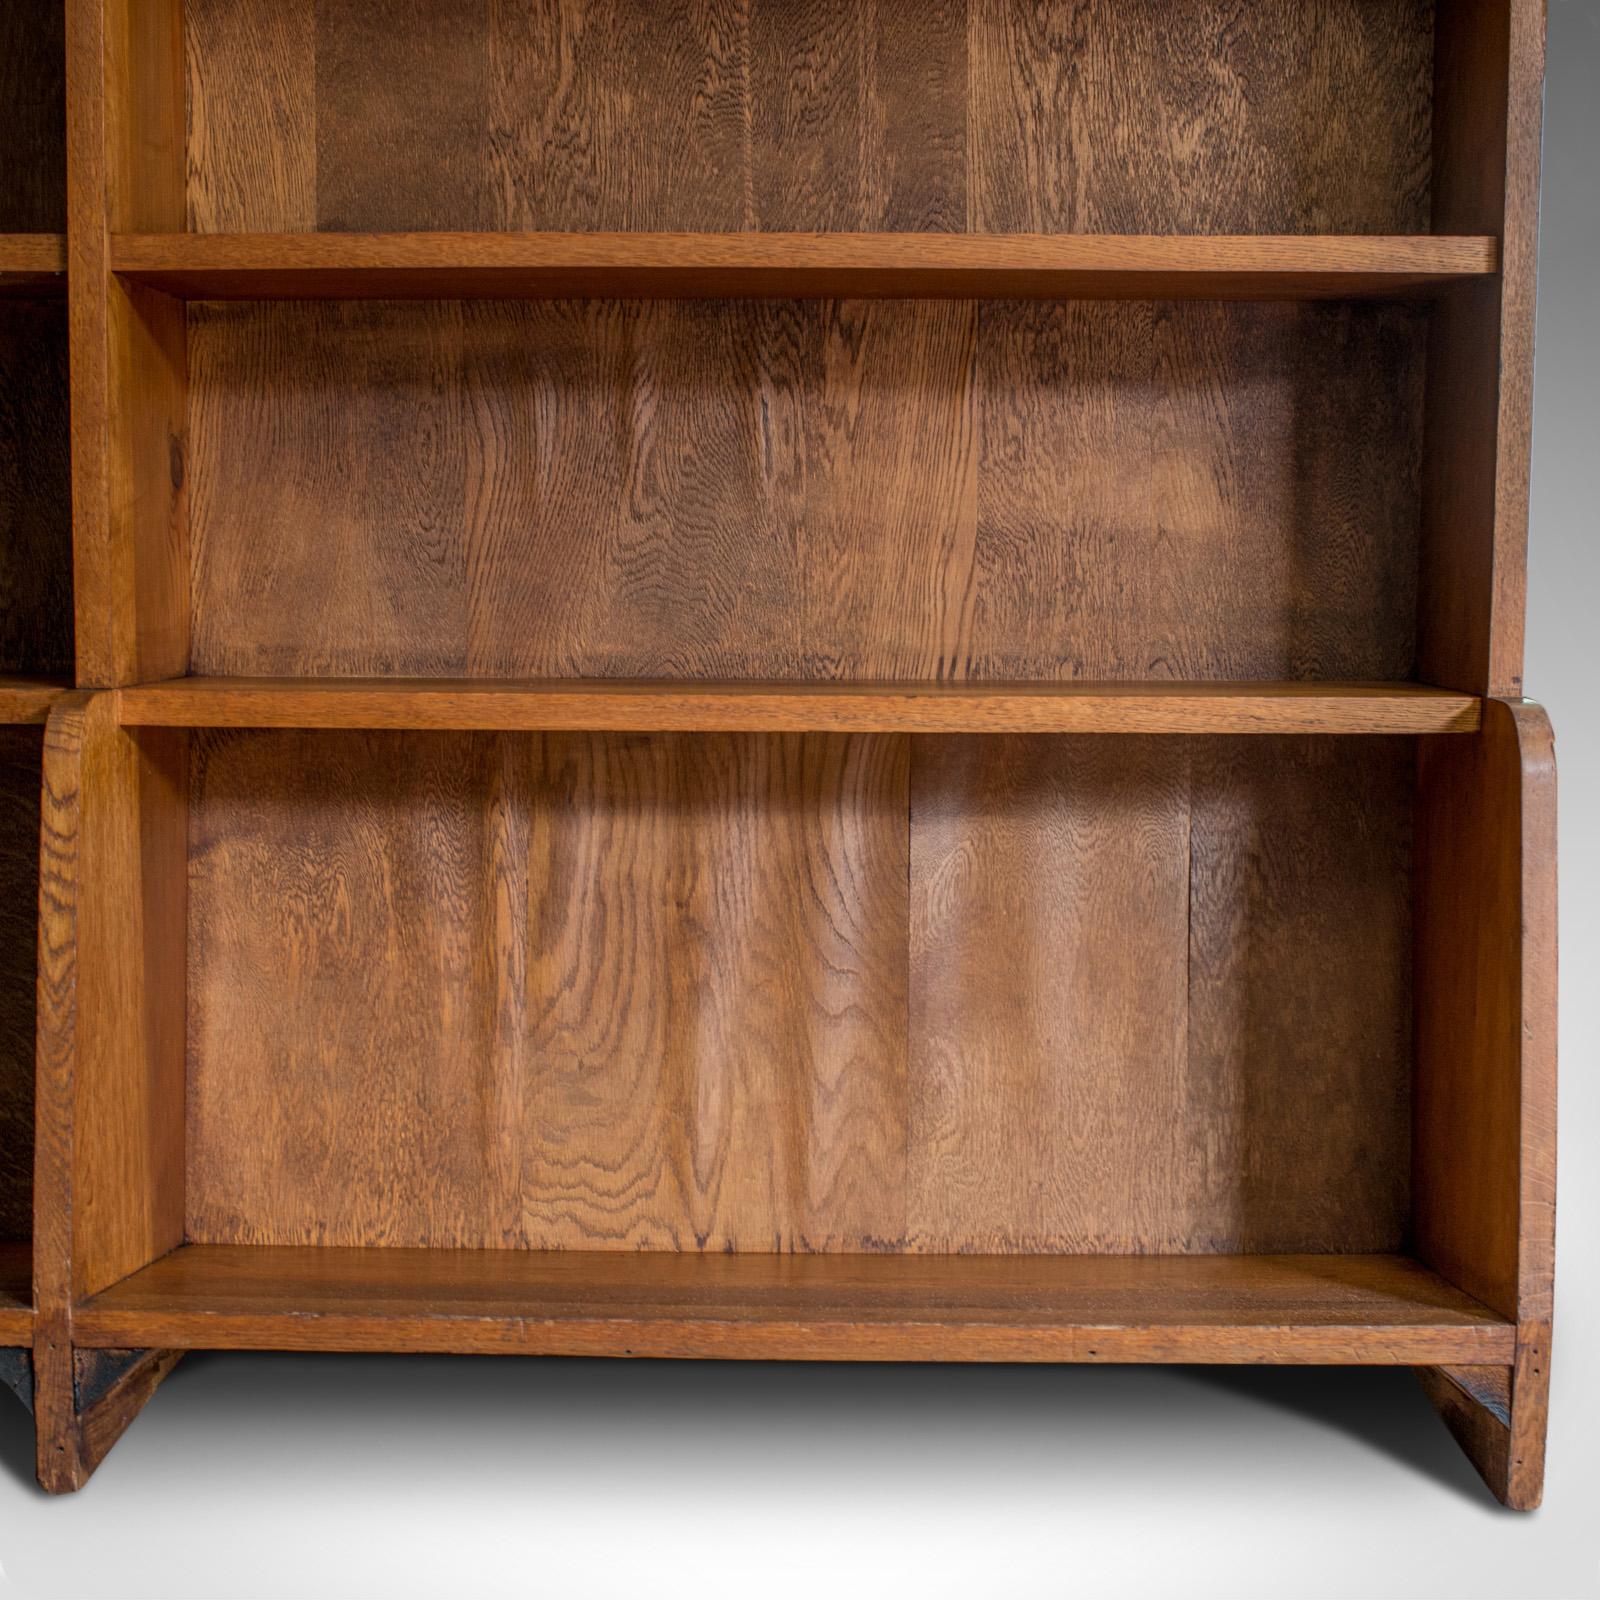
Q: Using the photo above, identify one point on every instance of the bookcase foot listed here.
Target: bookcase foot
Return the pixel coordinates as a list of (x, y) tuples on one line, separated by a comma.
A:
[(1498, 1417), (84, 1401)]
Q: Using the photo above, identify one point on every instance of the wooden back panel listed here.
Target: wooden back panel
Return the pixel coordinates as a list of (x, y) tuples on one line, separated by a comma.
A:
[(1116, 116), (20, 754), (35, 491), (799, 993), (805, 490), (33, 166)]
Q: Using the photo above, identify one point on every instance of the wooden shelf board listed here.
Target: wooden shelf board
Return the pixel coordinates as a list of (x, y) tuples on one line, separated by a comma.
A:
[(16, 1294), (29, 699), (679, 706), (1379, 1310), (33, 263), (796, 265)]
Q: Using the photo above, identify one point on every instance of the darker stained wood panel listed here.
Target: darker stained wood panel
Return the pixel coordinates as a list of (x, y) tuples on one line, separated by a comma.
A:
[(35, 491), (806, 490), (33, 168), (1160, 995), (21, 751), (933, 115)]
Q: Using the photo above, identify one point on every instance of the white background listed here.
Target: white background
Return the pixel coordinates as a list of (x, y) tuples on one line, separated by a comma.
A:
[(284, 1476)]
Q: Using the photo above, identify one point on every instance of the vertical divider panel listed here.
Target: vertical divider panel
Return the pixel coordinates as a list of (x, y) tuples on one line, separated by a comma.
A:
[(1488, 102), (1484, 1126), (108, 1187), (125, 161)]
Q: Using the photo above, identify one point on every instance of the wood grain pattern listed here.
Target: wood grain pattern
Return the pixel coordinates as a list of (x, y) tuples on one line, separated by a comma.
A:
[(657, 707), (33, 265), (1485, 954), (1134, 981), (381, 266), (804, 490), (124, 60), (1490, 72), (955, 115), (33, 173), (1377, 1310), (716, 1032), (638, 992), (1137, 117), (1178, 491), (657, 991), (108, 1189), (21, 752), (1484, 1151), (35, 491)]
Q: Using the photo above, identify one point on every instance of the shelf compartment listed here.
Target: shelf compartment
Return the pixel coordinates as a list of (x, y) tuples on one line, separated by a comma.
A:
[(16, 1294), (1190, 708), (28, 700), (33, 263), (1361, 1309), (328, 266)]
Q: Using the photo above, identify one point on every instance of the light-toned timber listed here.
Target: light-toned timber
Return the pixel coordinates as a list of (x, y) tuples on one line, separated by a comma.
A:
[(1348, 1309), (314, 266), (1396, 708)]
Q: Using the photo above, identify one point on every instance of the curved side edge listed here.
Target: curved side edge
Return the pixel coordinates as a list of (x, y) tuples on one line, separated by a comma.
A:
[(1485, 1149), (74, 1426)]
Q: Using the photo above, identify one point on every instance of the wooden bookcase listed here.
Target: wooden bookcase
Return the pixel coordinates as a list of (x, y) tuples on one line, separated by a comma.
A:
[(35, 590), (809, 681)]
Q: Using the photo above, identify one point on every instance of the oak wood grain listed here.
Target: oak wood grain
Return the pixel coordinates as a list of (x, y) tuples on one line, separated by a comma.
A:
[(108, 1192), (1489, 97), (1378, 1310), (33, 265), (379, 266), (666, 707), (638, 992), (712, 115), (1132, 116), (1484, 1151), (1135, 970), (804, 490), (125, 77)]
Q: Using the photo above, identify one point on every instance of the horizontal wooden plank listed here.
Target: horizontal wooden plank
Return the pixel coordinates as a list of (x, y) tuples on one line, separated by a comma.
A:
[(33, 263), (16, 1293), (320, 266), (29, 699), (679, 706), (1375, 1310)]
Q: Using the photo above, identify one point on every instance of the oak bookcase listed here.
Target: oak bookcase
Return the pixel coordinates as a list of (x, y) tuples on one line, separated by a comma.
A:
[(804, 680)]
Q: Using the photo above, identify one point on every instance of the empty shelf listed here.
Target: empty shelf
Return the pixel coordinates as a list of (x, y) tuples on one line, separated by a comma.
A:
[(1335, 1309), (795, 265), (614, 706)]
